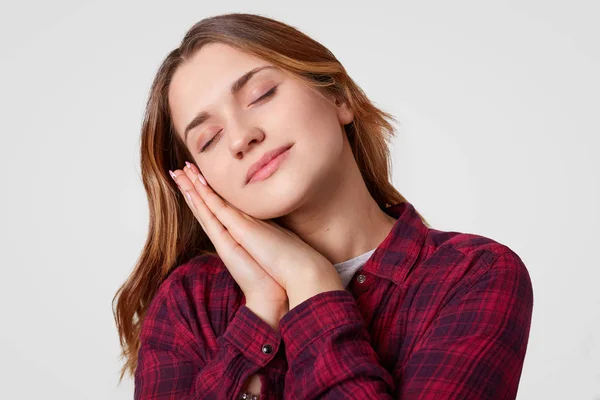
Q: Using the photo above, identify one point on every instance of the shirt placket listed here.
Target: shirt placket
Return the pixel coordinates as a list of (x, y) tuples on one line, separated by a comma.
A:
[(361, 283)]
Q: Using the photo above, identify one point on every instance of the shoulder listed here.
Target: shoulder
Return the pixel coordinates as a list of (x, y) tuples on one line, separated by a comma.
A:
[(460, 257), (199, 272), (189, 290), (464, 243), (466, 246)]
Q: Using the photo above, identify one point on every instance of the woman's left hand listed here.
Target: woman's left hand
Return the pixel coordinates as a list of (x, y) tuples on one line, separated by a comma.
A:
[(296, 266)]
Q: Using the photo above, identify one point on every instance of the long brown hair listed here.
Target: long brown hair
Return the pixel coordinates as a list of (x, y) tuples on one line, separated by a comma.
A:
[(174, 235)]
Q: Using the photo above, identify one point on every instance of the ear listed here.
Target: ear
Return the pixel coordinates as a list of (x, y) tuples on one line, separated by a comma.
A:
[(344, 113)]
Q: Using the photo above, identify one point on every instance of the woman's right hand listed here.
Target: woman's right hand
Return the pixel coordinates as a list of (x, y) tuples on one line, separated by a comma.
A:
[(264, 296)]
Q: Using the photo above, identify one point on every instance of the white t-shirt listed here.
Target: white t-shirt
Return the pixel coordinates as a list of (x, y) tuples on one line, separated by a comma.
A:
[(348, 268)]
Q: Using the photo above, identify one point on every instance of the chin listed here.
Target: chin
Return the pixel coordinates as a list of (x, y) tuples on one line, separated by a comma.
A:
[(274, 198)]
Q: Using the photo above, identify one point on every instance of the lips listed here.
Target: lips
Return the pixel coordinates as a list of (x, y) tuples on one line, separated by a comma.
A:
[(264, 160)]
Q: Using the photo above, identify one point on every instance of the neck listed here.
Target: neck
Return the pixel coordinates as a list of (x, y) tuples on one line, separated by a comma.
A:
[(344, 221)]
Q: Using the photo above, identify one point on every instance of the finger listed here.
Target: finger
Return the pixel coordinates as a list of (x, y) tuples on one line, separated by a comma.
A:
[(228, 215), (209, 201), (243, 229), (244, 269), (203, 188), (188, 198), (190, 202), (207, 220)]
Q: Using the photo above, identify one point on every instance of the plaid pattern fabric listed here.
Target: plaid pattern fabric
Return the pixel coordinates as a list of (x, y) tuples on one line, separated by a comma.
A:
[(431, 315)]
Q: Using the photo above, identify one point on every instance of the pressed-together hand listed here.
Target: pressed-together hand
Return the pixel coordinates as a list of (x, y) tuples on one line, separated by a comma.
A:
[(266, 260)]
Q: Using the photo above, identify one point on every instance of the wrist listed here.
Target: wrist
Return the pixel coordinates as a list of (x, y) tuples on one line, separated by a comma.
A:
[(269, 314), (311, 288)]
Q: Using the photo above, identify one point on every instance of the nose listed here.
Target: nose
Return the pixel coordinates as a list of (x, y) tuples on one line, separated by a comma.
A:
[(243, 139)]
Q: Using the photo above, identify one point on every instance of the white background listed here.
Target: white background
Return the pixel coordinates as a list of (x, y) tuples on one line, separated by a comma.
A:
[(498, 105)]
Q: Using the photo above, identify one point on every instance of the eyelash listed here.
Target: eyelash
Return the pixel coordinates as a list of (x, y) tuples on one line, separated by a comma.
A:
[(264, 96)]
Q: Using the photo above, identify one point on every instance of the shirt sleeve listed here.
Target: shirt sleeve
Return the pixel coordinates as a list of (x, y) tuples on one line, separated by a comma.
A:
[(177, 362), (329, 353), (474, 349)]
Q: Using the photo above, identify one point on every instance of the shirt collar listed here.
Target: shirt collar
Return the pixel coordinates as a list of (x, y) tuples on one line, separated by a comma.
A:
[(396, 255)]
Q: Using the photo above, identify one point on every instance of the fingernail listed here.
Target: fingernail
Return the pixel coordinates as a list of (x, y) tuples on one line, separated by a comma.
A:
[(188, 165), (201, 178), (173, 175)]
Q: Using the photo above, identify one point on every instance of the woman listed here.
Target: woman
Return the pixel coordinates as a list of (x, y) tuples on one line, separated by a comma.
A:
[(281, 261)]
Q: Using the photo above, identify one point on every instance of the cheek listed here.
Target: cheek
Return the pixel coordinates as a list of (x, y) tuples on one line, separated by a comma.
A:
[(223, 187), (216, 176), (314, 120), (321, 129)]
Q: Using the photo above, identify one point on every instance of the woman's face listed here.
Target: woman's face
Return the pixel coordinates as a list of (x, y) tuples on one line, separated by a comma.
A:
[(271, 110)]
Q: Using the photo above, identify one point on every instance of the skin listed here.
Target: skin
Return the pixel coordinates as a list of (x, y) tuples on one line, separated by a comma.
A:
[(278, 237), (318, 192)]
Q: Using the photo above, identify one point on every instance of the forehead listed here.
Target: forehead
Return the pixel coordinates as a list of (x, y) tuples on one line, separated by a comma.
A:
[(204, 80)]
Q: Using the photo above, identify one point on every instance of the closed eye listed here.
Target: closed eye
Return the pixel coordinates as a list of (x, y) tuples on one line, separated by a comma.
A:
[(209, 142), (264, 96), (269, 93)]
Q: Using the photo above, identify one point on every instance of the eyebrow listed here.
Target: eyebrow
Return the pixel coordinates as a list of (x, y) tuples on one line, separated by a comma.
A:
[(235, 87)]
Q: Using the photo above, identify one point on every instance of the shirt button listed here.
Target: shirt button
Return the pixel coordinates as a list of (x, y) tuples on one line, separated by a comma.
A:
[(361, 278), (267, 349)]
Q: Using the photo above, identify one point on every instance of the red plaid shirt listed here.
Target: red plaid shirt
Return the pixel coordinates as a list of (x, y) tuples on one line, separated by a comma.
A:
[(430, 315)]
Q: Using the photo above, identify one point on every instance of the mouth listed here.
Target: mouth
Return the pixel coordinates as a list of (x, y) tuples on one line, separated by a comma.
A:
[(268, 164)]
